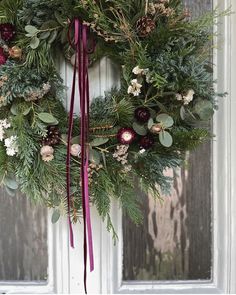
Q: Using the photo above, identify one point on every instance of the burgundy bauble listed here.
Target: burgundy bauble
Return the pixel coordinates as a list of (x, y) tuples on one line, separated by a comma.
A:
[(3, 57), (147, 142), (7, 31), (142, 114), (126, 135)]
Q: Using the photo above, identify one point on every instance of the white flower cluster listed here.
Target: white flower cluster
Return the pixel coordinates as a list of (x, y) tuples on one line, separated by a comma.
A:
[(11, 145), (121, 155), (187, 98), (135, 87), (11, 142), (3, 126), (160, 8), (47, 153)]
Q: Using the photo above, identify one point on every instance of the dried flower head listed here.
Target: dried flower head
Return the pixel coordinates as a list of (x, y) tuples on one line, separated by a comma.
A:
[(47, 153)]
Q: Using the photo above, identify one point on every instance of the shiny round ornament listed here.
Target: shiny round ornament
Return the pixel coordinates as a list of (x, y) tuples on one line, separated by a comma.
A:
[(126, 135), (142, 114)]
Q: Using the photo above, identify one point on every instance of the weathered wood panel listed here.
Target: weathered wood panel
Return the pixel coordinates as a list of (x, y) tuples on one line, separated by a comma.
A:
[(174, 243), (23, 240)]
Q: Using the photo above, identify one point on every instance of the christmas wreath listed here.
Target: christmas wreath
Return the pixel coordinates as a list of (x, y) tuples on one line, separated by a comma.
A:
[(160, 111)]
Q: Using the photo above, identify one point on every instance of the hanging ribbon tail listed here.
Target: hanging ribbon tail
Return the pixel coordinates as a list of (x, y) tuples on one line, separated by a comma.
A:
[(88, 220), (80, 44), (68, 157)]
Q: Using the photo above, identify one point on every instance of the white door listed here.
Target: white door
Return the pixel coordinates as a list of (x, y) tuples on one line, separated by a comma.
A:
[(204, 265)]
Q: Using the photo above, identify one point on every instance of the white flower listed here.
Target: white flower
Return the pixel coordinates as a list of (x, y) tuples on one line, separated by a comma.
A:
[(75, 150), (188, 97), (127, 168), (47, 153), (11, 152), (46, 87), (178, 96), (11, 145), (5, 124), (137, 70), (2, 133), (135, 87)]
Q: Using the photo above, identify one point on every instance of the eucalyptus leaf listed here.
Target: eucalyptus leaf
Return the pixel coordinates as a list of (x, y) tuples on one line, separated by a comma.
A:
[(27, 111), (204, 109), (14, 109), (104, 160), (32, 30), (75, 140), (11, 183), (139, 129), (48, 118), (166, 120), (55, 216), (34, 43), (150, 123), (94, 156), (64, 138), (165, 138), (53, 36), (44, 35), (182, 113), (99, 141)]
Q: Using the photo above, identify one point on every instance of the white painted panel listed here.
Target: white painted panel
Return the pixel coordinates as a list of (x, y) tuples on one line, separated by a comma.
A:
[(102, 77)]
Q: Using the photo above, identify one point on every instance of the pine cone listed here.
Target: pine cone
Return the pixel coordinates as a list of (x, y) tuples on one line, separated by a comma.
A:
[(53, 136), (145, 26)]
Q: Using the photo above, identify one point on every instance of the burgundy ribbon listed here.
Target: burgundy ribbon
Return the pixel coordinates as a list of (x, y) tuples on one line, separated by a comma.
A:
[(81, 61)]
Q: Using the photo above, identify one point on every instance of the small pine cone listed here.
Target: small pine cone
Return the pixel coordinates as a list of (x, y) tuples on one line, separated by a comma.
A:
[(145, 26), (53, 136)]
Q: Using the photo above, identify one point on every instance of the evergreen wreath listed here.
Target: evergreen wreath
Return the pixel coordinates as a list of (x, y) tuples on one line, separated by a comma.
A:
[(160, 111)]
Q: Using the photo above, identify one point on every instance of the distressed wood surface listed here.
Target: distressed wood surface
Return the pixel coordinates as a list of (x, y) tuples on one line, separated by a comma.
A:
[(174, 242), (23, 240)]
